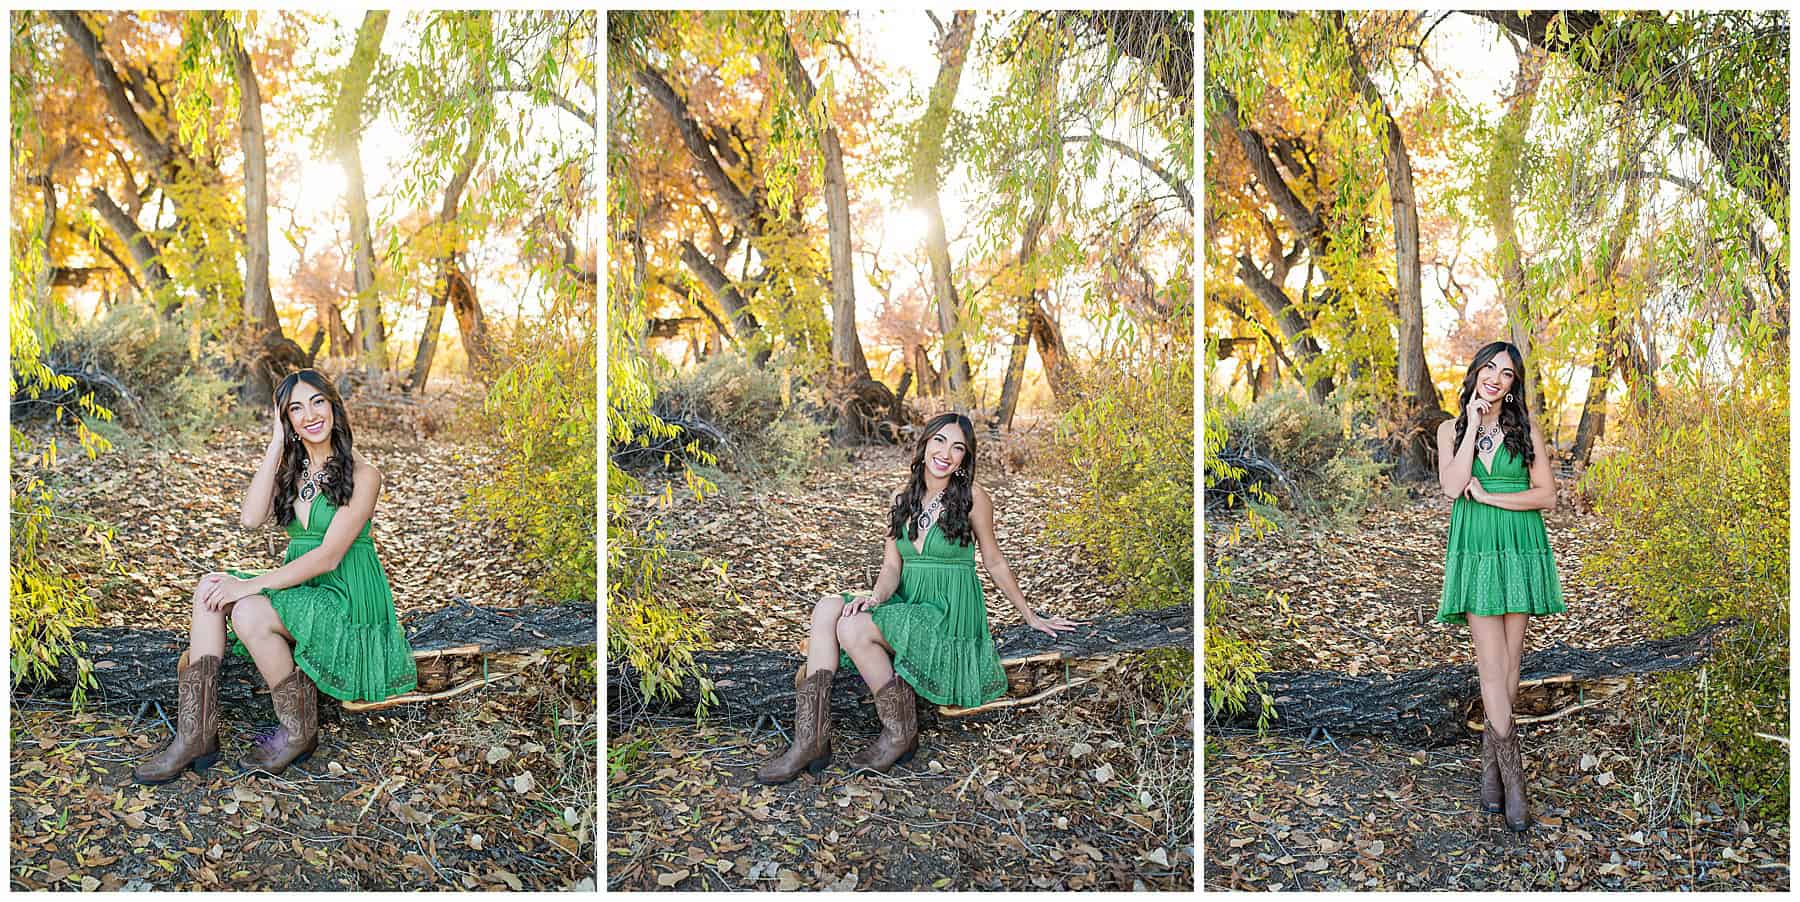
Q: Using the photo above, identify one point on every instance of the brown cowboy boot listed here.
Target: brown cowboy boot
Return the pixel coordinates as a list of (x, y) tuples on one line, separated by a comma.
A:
[(811, 748), (899, 739), (1491, 788), (1512, 778), (196, 741), (296, 702)]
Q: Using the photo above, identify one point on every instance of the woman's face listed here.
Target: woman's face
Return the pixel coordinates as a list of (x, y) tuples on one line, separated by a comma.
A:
[(945, 450), (309, 414), (1495, 378)]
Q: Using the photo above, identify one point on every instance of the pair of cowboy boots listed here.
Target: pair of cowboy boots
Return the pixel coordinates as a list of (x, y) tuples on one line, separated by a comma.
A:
[(1503, 778), (196, 741), (810, 751)]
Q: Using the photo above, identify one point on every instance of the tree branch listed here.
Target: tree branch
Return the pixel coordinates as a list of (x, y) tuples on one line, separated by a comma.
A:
[(1142, 159)]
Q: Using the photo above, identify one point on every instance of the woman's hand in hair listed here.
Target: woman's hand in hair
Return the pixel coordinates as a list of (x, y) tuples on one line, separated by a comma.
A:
[(275, 437)]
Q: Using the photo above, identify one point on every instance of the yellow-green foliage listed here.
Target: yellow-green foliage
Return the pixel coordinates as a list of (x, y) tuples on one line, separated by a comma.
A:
[(1129, 439), (1697, 496), (172, 391), (1328, 476), (542, 413), (1233, 656)]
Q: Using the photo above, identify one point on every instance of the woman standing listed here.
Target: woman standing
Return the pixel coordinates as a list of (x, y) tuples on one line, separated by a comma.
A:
[(1498, 568), (925, 625), (323, 619)]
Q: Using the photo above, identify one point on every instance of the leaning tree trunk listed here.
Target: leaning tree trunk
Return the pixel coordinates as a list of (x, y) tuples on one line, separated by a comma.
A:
[(928, 158), (1437, 705), (1609, 344), (1043, 193), (758, 682), (434, 317), (273, 353), (140, 246), (469, 318), (346, 127), (846, 347), (1501, 182)]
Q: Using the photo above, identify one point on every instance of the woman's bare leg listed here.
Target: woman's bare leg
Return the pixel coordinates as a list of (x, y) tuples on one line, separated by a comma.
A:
[(822, 646), (861, 639), (207, 634), (1515, 649), (1489, 634), (260, 628)]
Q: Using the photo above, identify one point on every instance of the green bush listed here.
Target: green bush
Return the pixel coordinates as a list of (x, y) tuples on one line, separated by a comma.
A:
[(1697, 497), (1325, 473), (1128, 438), (168, 389), (541, 411), (774, 427), (1234, 655)]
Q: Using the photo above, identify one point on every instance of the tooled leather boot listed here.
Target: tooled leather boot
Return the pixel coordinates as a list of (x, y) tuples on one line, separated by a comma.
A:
[(899, 739), (811, 748), (1512, 779), (196, 741), (1491, 787), (296, 702)]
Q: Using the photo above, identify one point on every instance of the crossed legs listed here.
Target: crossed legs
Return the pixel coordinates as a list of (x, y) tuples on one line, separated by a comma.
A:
[(256, 623), (857, 635)]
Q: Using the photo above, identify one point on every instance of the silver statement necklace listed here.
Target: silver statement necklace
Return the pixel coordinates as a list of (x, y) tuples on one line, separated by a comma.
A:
[(309, 480), (931, 510), (1486, 435)]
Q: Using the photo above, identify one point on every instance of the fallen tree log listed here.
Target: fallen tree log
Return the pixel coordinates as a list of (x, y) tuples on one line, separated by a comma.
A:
[(752, 683), (451, 646), (1440, 705)]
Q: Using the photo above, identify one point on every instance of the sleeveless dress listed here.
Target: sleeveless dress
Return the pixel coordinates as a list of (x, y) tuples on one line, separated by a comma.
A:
[(936, 622), (1498, 561), (346, 636)]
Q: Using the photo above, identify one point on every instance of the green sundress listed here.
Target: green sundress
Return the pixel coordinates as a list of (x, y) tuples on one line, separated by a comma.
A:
[(936, 622), (1498, 561), (346, 636)]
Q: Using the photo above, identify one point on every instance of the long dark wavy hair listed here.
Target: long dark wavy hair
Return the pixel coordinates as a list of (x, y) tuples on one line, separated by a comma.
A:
[(959, 495), (1513, 414), (340, 470)]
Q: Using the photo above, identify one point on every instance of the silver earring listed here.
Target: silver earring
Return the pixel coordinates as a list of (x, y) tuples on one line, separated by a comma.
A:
[(1509, 397)]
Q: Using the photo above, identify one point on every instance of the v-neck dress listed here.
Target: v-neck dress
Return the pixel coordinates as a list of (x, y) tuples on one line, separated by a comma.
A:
[(936, 622), (346, 636), (1498, 561)]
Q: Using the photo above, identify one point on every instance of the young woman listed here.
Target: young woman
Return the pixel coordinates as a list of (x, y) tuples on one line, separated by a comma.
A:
[(925, 625), (1498, 570), (323, 619)]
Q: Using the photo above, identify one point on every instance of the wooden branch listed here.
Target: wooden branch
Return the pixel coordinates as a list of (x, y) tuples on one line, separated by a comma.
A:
[(113, 89), (753, 682), (1433, 706), (742, 206), (138, 665), (1142, 159)]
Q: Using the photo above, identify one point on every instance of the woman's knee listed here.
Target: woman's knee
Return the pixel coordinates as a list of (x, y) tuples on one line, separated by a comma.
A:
[(251, 617), (853, 630), (827, 609)]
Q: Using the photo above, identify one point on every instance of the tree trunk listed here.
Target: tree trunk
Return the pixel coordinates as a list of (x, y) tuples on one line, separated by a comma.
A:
[(1502, 179), (1609, 344), (469, 318), (1057, 369), (434, 317), (1293, 324), (140, 246), (953, 52), (757, 682), (1043, 194), (267, 362), (743, 322), (846, 347), (346, 129), (1434, 706)]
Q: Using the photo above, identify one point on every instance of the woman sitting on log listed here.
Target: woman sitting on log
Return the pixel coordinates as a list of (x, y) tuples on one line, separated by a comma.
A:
[(927, 611), (1498, 569), (323, 619)]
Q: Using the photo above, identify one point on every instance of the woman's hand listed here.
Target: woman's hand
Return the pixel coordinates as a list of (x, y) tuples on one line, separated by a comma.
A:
[(1475, 492), (858, 605), (1479, 407), (275, 438), (1052, 624), (221, 590)]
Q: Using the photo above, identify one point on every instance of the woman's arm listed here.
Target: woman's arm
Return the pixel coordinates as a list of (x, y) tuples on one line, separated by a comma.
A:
[(886, 582), (1456, 466), (259, 500), (981, 516), (345, 526), (1542, 494)]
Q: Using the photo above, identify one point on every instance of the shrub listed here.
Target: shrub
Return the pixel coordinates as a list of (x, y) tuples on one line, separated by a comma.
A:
[(1234, 657), (166, 388), (774, 426), (1323, 473), (1128, 437), (542, 413), (1697, 497)]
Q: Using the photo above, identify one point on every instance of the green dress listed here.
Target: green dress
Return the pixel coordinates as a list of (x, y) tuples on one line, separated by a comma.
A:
[(346, 636), (1498, 560), (936, 622)]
